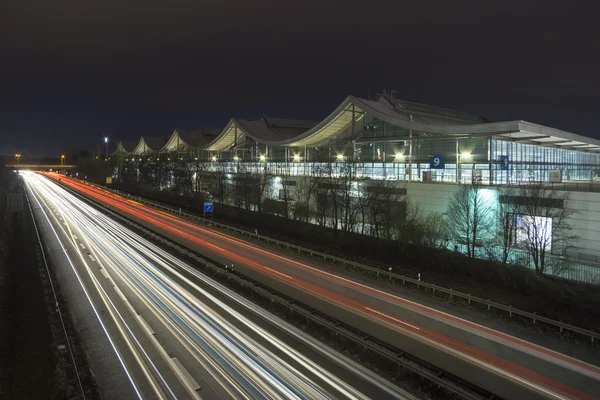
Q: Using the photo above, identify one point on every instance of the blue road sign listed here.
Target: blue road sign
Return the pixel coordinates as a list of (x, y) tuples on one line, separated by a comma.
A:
[(208, 206), (503, 162), (436, 161)]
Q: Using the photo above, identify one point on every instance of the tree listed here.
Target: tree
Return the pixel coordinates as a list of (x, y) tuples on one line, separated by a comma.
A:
[(386, 208), (470, 216), (423, 229), (506, 229), (543, 223), (306, 186)]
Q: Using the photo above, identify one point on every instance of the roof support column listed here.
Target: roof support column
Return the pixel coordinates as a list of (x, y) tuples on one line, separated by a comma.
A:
[(491, 166), (353, 131), (410, 151), (266, 156), (457, 163), (305, 159)]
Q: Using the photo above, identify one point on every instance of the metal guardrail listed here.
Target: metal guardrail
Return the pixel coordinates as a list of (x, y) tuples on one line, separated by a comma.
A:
[(417, 282)]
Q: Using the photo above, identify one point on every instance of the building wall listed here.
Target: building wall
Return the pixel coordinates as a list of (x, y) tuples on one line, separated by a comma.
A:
[(587, 225), (586, 222)]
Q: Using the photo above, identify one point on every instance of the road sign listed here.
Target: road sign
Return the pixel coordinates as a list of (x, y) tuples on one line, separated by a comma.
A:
[(208, 206), (503, 162), (436, 161)]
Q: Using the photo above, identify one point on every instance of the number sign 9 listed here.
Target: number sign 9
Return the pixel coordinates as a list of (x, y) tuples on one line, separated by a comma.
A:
[(436, 161)]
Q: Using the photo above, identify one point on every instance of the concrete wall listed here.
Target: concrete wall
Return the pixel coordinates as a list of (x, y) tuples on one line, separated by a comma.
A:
[(434, 197)]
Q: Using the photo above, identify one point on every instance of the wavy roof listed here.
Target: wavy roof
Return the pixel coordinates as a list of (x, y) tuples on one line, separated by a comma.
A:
[(150, 144), (418, 117), (265, 130), (125, 147), (190, 139)]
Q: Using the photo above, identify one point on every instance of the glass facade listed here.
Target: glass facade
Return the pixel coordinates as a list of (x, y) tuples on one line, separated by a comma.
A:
[(383, 151)]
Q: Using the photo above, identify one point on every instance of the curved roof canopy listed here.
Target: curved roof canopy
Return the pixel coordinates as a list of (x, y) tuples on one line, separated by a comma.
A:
[(420, 118), (149, 144), (267, 130), (182, 139), (125, 147), (434, 120)]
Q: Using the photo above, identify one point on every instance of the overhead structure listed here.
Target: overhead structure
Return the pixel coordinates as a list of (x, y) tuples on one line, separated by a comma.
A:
[(389, 138), (184, 140), (266, 130), (150, 144), (125, 147)]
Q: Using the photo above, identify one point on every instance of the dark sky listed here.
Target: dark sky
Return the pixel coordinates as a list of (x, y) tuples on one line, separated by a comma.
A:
[(71, 71)]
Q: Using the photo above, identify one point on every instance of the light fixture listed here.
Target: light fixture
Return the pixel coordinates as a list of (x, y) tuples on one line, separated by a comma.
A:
[(340, 157), (196, 158), (236, 158), (296, 157), (106, 139), (465, 155), (399, 156), (214, 158), (263, 158)]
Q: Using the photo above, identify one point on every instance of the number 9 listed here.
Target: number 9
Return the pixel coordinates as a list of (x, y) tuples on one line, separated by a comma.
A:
[(436, 161)]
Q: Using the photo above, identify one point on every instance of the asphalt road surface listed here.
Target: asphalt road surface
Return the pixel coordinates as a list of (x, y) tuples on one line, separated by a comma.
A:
[(174, 333), (505, 365)]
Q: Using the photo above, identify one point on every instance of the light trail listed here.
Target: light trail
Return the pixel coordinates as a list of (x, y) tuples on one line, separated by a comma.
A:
[(301, 274), (244, 367)]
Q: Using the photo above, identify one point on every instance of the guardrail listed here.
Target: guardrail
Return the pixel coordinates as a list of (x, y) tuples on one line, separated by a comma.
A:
[(391, 275)]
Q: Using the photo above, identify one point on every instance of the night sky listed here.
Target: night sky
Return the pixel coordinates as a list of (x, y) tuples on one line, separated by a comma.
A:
[(72, 71)]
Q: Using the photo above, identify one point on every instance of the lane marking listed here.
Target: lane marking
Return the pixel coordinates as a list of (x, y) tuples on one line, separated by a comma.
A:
[(393, 318)]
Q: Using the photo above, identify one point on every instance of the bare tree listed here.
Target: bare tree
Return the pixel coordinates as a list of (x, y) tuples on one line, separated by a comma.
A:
[(287, 193), (506, 229), (386, 208), (543, 225), (263, 185), (306, 187), (426, 229), (470, 216)]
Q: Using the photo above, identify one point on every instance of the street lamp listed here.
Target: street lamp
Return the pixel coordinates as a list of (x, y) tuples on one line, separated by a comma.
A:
[(106, 142), (62, 159), (18, 157)]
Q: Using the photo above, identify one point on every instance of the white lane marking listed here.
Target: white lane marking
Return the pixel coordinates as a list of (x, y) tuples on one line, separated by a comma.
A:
[(395, 319), (92, 258), (82, 246), (279, 273)]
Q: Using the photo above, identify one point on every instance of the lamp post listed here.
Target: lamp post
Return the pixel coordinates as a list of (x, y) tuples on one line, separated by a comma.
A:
[(106, 142), (18, 157), (62, 159)]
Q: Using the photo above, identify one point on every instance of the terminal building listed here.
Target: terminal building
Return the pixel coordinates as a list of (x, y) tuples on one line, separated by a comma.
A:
[(426, 149)]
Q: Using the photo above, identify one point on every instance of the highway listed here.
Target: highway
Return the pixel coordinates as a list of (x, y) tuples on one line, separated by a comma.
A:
[(179, 334), (505, 365)]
